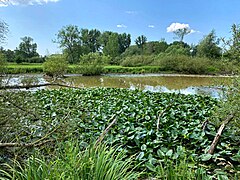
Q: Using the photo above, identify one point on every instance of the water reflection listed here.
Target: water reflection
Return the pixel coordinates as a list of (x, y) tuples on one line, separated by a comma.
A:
[(149, 82), (157, 83)]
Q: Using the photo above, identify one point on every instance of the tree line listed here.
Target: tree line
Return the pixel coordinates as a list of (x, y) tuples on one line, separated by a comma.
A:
[(76, 42)]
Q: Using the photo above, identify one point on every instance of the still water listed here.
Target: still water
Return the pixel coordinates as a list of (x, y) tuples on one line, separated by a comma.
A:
[(185, 84)]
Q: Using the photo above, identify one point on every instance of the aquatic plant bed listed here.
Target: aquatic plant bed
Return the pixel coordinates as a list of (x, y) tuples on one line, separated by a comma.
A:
[(155, 128)]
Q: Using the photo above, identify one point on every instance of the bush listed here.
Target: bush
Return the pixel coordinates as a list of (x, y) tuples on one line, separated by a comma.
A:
[(55, 66), (92, 64), (185, 64), (134, 61), (2, 64), (36, 59)]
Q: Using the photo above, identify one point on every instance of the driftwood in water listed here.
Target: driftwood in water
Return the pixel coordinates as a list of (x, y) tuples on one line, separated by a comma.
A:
[(35, 86), (219, 133)]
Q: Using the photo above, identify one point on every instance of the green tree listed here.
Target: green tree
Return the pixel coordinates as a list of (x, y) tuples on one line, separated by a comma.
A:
[(112, 47), (141, 41), (124, 42), (69, 39), (180, 33), (177, 49), (3, 31), (92, 64), (55, 65), (2, 64), (27, 49), (208, 46), (90, 40), (105, 37), (232, 46), (155, 47)]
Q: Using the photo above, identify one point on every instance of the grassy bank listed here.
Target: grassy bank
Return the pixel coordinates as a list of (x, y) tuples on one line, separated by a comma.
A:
[(38, 68), (157, 67)]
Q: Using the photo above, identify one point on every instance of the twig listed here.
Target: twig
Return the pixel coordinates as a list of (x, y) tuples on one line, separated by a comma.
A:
[(219, 133), (160, 115), (101, 137), (204, 125)]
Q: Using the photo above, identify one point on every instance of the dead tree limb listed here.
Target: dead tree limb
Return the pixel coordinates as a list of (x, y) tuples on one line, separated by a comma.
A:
[(35, 86), (204, 125), (219, 133), (160, 115), (38, 142), (101, 137)]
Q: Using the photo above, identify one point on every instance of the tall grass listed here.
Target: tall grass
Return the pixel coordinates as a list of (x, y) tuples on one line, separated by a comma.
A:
[(93, 163)]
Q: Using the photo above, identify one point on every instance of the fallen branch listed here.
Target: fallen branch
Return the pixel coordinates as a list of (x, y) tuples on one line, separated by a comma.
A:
[(160, 115), (26, 144), (219, 133), (35, 86), (38, 142), (101, 137), (204, 125)]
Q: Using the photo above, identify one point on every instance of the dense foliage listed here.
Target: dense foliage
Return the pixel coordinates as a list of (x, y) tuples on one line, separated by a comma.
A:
[(157, 128), (55, 65)]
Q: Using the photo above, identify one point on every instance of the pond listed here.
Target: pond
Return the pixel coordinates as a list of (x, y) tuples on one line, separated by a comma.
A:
[(185, 84)]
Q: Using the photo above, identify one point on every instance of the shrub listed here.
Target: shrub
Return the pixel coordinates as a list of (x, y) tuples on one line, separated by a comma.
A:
[(185, 64), (134, 61), (55, 65), (2, 64), (92, 64), (36, 59)]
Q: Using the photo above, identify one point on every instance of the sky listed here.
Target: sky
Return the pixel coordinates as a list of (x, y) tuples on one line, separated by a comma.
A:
[(156, 19)]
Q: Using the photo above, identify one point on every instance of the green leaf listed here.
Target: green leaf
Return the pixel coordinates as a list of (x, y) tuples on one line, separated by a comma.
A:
[(169, 153), (143, 147), (160, 153), (140, 155), (206, 157)]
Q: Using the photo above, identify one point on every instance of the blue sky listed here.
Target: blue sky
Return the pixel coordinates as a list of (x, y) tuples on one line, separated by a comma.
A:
[(42, 19)]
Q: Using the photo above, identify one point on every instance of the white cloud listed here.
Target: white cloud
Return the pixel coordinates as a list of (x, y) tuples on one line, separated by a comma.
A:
[(4, 3), (121, 26), (151, 26), (131, 12), (176, 26)]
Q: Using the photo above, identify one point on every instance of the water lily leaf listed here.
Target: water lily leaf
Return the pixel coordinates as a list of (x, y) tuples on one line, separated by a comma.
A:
[(143, 147), (206, 157), (169, 153), (140, 155)]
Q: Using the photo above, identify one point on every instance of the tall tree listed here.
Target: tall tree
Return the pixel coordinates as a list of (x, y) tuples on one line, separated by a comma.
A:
[(69, 40), (27, 48), (180, 33), (208, 46), (91, 40), (141, 41), (232, 45), (124, 42), (112, 47), (3, 31)]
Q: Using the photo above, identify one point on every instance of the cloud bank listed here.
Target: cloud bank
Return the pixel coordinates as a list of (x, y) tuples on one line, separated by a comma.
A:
[(4, 3)]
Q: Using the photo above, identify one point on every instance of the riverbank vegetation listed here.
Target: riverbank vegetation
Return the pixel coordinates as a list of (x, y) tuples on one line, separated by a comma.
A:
[(206, 57)]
